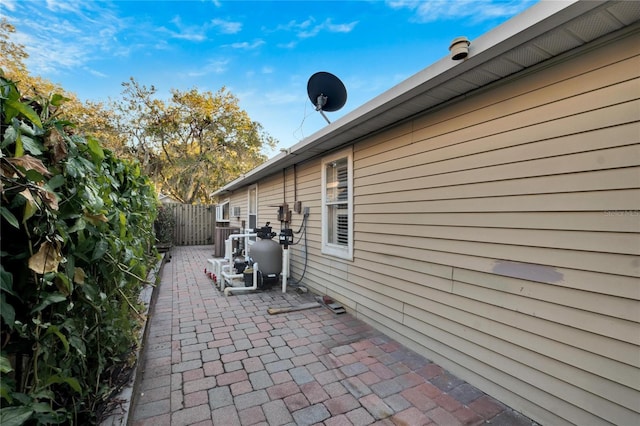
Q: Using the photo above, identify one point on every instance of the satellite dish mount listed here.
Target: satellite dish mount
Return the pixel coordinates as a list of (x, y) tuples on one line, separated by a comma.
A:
[(326, 93)]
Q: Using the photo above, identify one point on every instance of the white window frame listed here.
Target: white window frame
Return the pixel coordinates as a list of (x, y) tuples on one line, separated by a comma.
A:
[(249, 189), (220, 211), (337, 250)]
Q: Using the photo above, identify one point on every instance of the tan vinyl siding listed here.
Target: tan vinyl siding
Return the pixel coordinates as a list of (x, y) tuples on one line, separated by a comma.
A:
[(500, 236), (238, 199)]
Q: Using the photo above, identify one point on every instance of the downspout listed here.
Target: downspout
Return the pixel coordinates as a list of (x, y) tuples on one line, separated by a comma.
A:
[(295, 184)]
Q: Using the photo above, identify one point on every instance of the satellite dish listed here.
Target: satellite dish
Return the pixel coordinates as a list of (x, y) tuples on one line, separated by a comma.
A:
[(326, 92)]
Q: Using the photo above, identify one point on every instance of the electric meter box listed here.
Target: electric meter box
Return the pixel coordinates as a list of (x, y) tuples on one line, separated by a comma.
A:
[(286, 237)]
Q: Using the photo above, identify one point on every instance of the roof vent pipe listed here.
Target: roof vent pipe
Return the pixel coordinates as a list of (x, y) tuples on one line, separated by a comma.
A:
[(459, 48)]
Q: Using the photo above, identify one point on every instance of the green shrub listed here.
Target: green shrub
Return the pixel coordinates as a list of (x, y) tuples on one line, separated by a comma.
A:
[(164, 225), (77, 242)]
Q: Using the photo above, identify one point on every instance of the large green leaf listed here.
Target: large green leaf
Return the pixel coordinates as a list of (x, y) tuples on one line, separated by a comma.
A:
[(57, 99), (5, 390), (7, 312), (56, 379), (14, 416), (6, 281), (10, 136), (31, 145), (55, 182), (55, 330), (49, 299), (100, 249), (96, 151), (9, 217), (13, 107), (5, 365)]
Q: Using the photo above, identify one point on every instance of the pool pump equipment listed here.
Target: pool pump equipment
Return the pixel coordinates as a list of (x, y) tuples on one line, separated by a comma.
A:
[(268, 255), (260, 264)]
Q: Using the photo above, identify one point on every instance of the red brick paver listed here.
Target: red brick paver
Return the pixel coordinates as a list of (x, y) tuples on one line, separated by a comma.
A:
[(216, 360)]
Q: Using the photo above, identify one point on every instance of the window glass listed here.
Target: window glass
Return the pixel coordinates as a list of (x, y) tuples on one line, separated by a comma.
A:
[(337, 210), (337, 192)]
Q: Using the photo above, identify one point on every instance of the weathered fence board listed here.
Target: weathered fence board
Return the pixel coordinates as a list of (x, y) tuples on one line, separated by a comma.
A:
[(195, 224)]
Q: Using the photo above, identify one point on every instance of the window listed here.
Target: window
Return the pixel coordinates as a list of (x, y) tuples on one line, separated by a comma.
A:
[(222, 212), (252, 213), (337, 206)]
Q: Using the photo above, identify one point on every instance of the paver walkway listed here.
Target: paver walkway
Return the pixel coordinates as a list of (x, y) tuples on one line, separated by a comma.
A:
[(211, 360)]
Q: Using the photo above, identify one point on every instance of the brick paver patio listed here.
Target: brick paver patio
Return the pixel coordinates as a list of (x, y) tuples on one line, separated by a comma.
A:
[(211, 360)]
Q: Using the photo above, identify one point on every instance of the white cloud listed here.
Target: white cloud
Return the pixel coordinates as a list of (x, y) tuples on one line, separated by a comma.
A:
[(73, 35), (329, 26), (185, 32), (245, 45), (227, 27), (289, 45), (340, 28), (295, 26), (281, 97), (214, 66), (96, 73), (61, 6), (189, 36), (310, 28), (10, 5), (477, 10)]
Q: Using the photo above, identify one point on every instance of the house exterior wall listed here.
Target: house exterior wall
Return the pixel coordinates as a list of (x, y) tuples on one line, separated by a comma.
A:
[(500, 237)]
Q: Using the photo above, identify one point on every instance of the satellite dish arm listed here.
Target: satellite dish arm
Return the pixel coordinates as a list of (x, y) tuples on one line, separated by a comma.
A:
[(326, 92), (320, 102)]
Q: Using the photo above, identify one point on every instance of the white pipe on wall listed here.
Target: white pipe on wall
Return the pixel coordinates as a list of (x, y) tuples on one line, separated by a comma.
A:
[(285, 269), (228, 248), (253, 287)]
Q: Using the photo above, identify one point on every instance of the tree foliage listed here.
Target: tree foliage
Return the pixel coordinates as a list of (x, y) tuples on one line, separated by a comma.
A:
[(89, 118), (189, 145), (77, 235), (194, 142)]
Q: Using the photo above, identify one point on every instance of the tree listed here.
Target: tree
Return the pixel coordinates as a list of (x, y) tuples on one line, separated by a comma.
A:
[(189, 145), (12, 55), (89, 118), (193, 143)]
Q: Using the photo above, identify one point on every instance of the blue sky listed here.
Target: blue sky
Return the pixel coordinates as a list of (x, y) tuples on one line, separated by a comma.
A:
[(262, 51)]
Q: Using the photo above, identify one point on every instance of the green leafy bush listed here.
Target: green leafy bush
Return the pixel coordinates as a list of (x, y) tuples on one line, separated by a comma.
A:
[(77, 242), (165, 225)]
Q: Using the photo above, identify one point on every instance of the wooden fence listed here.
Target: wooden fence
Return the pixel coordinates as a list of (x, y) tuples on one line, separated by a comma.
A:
[(195, 224)]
